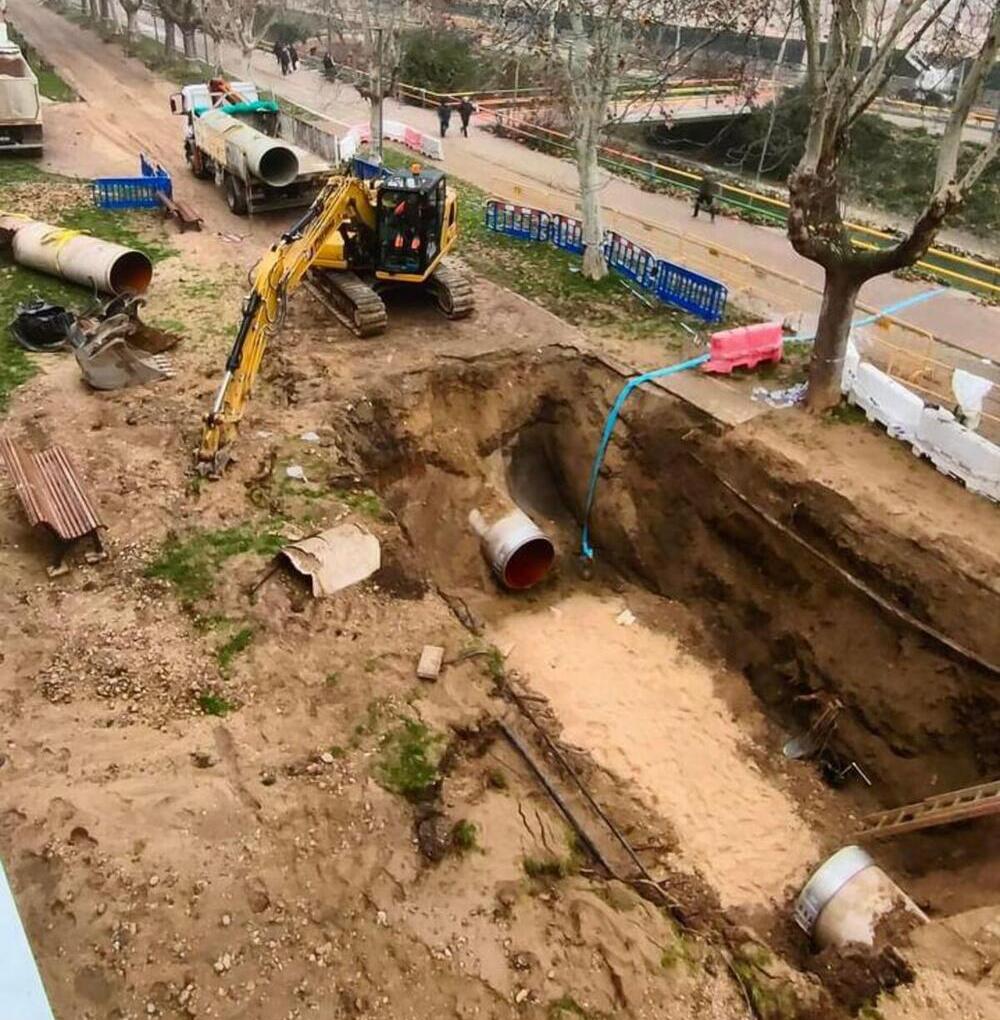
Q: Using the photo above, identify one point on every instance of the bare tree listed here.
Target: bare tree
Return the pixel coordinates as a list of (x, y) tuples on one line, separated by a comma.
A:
[(374, 29), (593, 49), (131, 9), (244, 21), (842, 85), (186, 15)]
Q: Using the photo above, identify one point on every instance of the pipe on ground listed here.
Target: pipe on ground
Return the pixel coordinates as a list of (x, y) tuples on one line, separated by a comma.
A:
[(95, 264)]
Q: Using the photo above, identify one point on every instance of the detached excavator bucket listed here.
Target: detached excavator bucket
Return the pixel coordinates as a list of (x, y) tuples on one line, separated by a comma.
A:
[(116, 349), (109, 362)]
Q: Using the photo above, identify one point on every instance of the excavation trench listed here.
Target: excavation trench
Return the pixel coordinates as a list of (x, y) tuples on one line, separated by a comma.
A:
[(756, 589)]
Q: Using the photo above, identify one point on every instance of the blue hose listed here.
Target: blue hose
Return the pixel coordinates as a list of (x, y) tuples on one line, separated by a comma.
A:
[(609, 427)]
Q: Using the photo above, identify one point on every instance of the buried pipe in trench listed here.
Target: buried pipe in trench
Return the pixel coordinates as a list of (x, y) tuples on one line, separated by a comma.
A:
[(519, 552), (609, 427)]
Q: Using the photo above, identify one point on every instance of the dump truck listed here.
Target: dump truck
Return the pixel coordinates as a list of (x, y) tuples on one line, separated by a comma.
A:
[(241, 141), (20, 105)]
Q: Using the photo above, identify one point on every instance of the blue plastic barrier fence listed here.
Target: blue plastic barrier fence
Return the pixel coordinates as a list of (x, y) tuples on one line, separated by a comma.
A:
[(567, 234), (133, 192), (367, 169), (672, 284), (630, 260), (519, 221), (697, 294)]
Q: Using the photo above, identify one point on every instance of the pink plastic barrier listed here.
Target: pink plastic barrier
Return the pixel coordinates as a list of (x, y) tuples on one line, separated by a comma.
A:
[(744, 347)]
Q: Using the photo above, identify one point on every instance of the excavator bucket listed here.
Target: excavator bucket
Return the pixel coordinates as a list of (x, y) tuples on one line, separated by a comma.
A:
[(117, 350)]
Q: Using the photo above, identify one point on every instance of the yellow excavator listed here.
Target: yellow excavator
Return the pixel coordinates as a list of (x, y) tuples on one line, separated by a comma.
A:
[(359, 239)]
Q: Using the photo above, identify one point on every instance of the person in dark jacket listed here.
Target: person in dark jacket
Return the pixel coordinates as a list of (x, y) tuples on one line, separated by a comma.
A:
[(465, 111), (444, 116), (293, 56), (706, 196)]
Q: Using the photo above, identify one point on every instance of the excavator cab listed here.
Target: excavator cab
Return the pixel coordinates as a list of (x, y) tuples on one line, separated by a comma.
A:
[(412, 209)]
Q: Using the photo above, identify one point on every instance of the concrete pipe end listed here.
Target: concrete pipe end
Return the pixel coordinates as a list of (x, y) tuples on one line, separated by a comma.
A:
[(131, 272), (279, 166)]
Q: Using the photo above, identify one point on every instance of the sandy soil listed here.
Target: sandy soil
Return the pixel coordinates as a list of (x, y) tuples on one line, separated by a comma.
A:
[(171, 863), (649, 711)]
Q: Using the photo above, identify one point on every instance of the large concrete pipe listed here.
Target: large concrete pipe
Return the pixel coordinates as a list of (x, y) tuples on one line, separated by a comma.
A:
[(846, 897), (92, 263), (267, 159), (519, 552)]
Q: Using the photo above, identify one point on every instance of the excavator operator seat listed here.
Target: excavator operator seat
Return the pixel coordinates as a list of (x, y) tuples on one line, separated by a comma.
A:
[(410, 220)]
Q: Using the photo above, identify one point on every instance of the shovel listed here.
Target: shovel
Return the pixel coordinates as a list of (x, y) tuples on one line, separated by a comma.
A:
[(809, 744)]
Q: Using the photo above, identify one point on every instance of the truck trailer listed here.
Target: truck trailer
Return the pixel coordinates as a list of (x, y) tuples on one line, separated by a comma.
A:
[(20, 105)]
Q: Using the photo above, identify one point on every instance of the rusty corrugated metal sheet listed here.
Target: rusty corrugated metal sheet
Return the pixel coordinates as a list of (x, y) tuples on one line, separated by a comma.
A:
[(50, 492)]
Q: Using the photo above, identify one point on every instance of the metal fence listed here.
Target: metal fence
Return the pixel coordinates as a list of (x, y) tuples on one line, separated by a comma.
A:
[(672, 284)]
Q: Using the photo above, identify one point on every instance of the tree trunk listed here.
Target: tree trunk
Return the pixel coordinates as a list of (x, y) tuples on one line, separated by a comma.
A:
[(131, 20), (190, 43), (105, 6), (95, 14), (169, 35), (840, 295), (329, 34), (376, 121), (247, 57), (588, 170)]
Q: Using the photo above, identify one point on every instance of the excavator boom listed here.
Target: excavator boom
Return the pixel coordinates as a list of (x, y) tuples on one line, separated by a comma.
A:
[(359, 237)]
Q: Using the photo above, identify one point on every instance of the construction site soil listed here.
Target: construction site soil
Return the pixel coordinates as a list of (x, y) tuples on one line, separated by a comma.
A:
[(221, 797)]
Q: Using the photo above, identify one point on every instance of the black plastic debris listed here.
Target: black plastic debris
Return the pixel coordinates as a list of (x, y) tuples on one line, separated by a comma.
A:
[(41, 327)]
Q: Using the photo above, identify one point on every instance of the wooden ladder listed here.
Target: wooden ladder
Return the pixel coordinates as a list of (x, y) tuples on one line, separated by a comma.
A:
[(972, 802)]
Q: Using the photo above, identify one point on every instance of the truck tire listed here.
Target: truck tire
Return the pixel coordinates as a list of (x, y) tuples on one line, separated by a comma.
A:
[(236, 197)]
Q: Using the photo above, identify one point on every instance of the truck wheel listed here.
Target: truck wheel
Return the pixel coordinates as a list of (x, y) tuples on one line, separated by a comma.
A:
[(236, 197)]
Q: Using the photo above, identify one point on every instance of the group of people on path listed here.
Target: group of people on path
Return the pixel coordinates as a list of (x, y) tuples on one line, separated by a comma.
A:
[(287, 56), (465, 111)]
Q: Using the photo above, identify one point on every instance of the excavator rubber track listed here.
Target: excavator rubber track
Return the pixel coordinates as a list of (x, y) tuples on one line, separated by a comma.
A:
[(351, 300), (453, 291)]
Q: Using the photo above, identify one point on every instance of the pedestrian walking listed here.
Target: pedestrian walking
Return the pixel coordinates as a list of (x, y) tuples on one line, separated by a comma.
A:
[(705, 198), (465, 111), (285, 59), (329, 68), (293, 56), (279, 48), (444, 116)]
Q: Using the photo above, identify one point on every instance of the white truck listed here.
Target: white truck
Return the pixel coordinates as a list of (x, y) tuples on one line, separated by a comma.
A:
[(247, 145), (20, 105)]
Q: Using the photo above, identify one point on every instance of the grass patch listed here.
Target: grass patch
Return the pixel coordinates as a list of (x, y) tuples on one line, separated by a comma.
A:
[(362, 501), (465, 836), (332, 679), (771, 999), (496, 779), (215, 704), (50, 85), (239, 642), (409, 759), (191, 562), (337, 751), (846, 414), (545, 867)]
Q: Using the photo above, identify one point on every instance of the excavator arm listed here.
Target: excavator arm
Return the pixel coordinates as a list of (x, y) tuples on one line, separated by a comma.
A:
[(276, 277)]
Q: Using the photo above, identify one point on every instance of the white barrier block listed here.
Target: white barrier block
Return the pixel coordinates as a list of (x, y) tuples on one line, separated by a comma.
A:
[(958, 451), (887, 401), (852, 362)]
